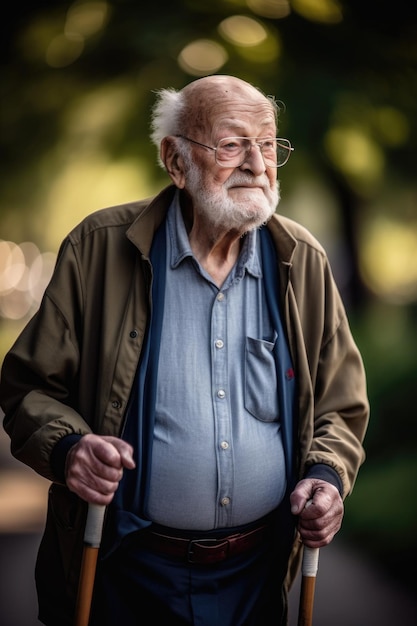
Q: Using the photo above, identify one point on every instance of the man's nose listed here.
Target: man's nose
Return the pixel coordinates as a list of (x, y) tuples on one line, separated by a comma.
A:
[(254, 160)]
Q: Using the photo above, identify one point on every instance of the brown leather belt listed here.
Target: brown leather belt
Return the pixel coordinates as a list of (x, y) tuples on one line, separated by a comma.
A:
[(206, 551)]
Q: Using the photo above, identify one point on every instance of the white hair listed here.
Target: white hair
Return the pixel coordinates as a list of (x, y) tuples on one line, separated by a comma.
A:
[(167, 116)]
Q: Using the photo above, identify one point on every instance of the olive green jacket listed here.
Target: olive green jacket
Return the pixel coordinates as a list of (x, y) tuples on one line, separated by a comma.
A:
[(73, 366)]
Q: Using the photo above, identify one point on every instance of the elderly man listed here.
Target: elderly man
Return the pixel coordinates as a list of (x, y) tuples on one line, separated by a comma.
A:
[(190, 367)]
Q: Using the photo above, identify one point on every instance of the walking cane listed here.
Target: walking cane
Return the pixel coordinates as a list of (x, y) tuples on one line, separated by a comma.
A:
[(92, 539), (308, 582)]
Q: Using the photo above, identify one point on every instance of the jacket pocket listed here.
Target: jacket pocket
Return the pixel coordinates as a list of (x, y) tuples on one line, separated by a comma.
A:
[(261, 390)]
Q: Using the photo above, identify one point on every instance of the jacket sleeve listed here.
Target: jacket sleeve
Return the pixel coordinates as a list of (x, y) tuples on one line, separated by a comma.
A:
[(333, 408), (38, 388), (341, 409)]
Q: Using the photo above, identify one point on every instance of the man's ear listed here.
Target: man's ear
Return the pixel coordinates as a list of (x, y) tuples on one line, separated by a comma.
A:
[(173, 161)]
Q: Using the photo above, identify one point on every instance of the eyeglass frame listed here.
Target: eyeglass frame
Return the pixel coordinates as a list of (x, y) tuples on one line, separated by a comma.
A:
[(256, 141)]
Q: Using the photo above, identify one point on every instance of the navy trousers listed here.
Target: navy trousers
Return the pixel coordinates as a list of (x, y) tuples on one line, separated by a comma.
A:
[(138, 587)]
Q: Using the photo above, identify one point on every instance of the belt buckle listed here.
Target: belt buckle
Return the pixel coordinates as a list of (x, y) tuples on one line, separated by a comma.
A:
[(190, 549)]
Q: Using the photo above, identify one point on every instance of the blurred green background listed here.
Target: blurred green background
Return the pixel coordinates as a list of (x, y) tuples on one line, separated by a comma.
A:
[(77, 82)]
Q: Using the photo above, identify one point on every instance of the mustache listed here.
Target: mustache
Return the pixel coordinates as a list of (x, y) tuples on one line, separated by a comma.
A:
[(238, 178)]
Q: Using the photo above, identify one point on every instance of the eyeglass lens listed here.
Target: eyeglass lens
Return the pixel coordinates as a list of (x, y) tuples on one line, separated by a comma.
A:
[(232, 151)]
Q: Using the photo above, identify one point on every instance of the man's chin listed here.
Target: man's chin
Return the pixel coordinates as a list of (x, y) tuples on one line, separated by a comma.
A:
[(259, 212), (260, 221), (250, 220)]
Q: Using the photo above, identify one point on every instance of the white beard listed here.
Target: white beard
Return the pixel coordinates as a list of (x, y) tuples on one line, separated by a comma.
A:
[(222, 211)]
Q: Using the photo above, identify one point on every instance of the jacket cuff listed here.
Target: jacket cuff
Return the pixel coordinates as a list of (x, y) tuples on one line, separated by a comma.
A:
[(327, 473), (59, 455)]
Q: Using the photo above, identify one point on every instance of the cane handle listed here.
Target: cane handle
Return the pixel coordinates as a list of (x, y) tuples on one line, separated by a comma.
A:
[(310, 561), (94, 525)]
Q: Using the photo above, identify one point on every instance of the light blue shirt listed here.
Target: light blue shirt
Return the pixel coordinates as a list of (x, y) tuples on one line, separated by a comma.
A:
[(217, 457)]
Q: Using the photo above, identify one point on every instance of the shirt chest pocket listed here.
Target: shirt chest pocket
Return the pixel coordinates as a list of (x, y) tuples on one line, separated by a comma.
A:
[(261, 390)]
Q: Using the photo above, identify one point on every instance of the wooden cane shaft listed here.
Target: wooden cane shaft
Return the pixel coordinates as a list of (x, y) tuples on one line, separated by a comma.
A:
[(85, 586), (305, 613)]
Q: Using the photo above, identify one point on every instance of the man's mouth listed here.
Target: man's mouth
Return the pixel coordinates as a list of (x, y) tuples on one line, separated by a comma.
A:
[(245, 186)]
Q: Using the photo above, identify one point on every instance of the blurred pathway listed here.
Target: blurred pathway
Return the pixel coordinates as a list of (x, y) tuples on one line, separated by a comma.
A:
[(353, 591), (349, 590)]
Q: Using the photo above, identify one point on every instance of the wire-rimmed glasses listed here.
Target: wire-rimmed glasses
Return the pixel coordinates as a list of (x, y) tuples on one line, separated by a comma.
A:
[(233, 151)]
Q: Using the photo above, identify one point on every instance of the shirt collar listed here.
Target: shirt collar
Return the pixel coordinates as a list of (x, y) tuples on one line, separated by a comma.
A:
[(180, 246)]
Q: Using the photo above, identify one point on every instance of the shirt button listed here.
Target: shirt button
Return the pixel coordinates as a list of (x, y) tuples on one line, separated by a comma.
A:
[(221, 394), (116, 404), (225, 501), (133, 334), (219, 343), (220, 296), (224, 445)]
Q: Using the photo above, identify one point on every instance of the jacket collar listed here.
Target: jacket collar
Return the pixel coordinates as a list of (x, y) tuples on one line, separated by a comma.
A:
[(285, 243), (151, 214)]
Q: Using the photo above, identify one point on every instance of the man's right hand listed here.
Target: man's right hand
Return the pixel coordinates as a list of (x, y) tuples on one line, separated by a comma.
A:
[(94, 467)]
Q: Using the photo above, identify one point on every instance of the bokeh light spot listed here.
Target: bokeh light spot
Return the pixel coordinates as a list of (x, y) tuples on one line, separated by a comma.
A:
[(242, 31), (393, 127), (355, 154), (86, 18), (325, 11), (389, 259), (201, 57), (64, 50), (270, 8), (24, 274)]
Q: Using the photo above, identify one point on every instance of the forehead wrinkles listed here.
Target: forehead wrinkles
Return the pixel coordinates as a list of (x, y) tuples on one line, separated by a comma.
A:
[(240, 116), (214, 108)]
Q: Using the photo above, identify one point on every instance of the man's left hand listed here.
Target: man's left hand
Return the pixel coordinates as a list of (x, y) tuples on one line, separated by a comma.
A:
[(320, 509)]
